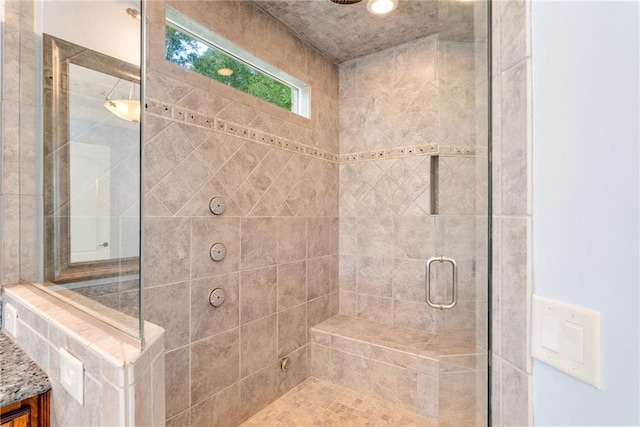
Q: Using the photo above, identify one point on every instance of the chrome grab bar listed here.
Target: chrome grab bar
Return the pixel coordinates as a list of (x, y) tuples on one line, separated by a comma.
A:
[(454, 301)]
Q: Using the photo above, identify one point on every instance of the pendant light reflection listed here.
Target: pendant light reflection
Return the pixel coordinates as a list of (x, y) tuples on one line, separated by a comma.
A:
[(126, 109), (382, 7)]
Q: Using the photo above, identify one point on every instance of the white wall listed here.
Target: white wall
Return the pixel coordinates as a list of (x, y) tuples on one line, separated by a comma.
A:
[(586, 196)]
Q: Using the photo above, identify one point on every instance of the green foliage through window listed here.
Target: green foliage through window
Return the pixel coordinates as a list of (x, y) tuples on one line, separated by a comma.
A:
[(197, 56)]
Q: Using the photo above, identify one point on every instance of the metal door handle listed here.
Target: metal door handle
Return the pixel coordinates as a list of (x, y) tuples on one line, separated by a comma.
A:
[(104, 245), (427, 280)]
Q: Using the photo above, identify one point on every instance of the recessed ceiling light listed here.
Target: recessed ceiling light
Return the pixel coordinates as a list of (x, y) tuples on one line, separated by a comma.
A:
[(226, 72), (382, 7)]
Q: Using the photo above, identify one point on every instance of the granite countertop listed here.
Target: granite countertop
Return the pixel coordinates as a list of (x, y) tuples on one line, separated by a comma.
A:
[(20, 377)]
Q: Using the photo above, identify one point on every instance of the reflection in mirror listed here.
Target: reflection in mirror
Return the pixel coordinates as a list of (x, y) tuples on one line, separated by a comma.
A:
[(92, 179), (103, 164)]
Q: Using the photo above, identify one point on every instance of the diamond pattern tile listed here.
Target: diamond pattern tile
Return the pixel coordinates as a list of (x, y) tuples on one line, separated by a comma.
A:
[(255, 179)]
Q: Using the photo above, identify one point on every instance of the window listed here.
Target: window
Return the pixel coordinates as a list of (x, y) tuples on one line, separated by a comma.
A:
[(199, 49)]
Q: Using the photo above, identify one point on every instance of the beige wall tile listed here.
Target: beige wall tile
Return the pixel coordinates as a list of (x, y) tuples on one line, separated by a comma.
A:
[(318, 277), (258, 344), (375, 308), (348, 304), (513, 33), (414, 315), (348, 241), (223, 409), (10, 239), (514, 122), (318, 310), (393, 384), (375, 276), (348, 265), (413, 237), (167, 253), (516, 392), (259, 242), (292, 239), (292, 329), (351, 371), (180, 420), (160, 304), (34, 345), (427, 400), (143, 400), (258, 293), (458, 393), (258, 390), (496, 391), (515, 292), (318, 237), (209, 378), (292, 288), (375, 236), (320, 365), (409, 280), (177, 381)]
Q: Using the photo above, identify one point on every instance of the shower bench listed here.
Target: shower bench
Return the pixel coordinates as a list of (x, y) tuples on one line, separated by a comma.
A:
[(440, 376)]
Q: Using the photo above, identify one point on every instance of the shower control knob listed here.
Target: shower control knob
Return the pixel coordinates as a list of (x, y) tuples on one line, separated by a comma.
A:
[(216, 297), (217, 252), (217, 206)]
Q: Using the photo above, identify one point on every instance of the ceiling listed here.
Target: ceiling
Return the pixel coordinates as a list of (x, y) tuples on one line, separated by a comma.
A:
[(346, 32)]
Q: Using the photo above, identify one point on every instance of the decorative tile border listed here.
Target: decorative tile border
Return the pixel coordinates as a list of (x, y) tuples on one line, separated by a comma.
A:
[(183, 115), (418, 150)]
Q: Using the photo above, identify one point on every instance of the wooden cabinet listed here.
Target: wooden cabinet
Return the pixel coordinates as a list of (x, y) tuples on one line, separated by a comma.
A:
[(31, 412)]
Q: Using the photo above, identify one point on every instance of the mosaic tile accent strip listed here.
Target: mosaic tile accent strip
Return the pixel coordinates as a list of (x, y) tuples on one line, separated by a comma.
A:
[(418, 150), (183, 115), (320, 403)]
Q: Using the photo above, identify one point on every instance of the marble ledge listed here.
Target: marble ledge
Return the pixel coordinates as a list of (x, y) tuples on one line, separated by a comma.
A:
[(20, 377), (113, 346)]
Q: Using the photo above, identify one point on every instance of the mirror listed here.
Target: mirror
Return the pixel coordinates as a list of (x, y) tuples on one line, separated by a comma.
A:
[(91, 165)]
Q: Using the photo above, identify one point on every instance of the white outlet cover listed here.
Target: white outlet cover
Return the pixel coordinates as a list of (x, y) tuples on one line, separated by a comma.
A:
[(72, 375), (10, 320)]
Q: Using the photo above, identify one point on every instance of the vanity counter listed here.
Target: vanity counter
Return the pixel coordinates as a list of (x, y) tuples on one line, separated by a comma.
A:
[(20, 377)]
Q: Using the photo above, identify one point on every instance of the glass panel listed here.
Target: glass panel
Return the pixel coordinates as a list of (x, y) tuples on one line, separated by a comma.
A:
[(92, 158), (197, 56), (200, 49)]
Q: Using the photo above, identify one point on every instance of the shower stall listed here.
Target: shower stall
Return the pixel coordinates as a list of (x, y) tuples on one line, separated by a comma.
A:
[(356, 238), (316, 203)]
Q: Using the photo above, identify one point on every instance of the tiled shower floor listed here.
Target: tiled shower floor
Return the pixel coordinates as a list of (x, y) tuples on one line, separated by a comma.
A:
[(320, 403)]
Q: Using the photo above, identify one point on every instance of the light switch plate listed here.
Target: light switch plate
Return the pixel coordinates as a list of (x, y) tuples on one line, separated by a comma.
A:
[(578, 338), (72, 375)]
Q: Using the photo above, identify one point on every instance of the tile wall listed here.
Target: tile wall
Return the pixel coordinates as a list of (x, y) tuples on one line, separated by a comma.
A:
[(18, 189), (123, 386), (512, 395), (398, 110), (278, 175)]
